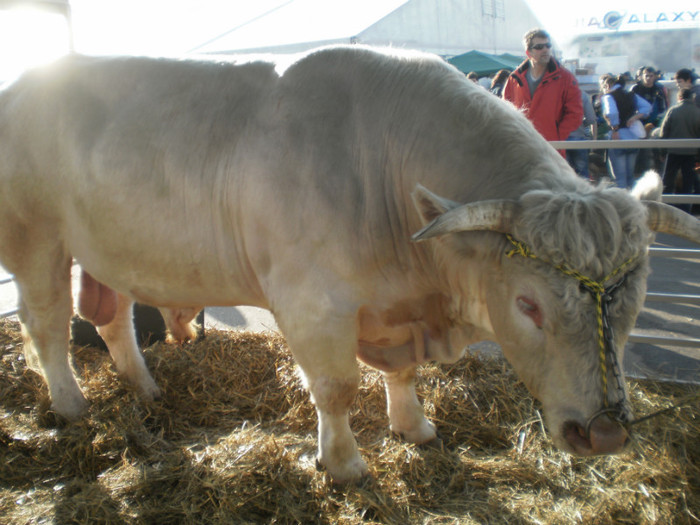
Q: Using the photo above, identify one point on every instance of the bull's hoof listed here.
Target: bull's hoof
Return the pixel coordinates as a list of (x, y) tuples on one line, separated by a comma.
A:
[(71, 409), (355, 473), (419, 434), (143, 382), (150, 391), (436, 443)]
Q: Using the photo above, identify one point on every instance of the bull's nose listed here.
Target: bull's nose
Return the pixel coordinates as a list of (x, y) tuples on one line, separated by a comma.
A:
[(607, 437)]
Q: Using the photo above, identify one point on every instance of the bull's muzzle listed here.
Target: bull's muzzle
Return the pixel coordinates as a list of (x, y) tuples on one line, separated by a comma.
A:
[(602, 435)]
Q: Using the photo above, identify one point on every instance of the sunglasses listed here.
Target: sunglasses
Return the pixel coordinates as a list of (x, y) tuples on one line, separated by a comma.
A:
[(540, 47)]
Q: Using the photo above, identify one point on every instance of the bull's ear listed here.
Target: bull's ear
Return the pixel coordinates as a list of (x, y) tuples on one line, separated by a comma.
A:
[(429, 205)]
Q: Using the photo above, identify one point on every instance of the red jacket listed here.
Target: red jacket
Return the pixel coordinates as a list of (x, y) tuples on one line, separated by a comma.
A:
[(556, 109)]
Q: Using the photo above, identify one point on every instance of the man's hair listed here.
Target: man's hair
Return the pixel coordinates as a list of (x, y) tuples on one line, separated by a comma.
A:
[(684, 74), (532, 34), (685, 94)]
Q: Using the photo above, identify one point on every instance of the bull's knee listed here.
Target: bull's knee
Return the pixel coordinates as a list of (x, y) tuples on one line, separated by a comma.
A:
[(334, 395), (338, 451)]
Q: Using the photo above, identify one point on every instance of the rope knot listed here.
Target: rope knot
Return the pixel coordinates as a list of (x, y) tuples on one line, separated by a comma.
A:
[(519, 248)]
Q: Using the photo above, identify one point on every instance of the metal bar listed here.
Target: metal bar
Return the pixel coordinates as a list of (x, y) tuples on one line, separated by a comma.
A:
[(7, 279), (8, 313), (659, 340), (672, 298), (680, 198), (674, 252), (626, 144)]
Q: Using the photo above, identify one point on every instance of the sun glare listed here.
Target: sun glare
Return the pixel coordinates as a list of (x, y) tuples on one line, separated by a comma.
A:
[(30, 38)]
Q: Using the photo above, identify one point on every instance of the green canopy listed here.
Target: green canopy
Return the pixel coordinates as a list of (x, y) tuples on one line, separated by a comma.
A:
[(513, 59), (484, 63)]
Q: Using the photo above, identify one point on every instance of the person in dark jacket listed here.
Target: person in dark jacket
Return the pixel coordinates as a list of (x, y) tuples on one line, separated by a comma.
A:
[(649, 88), (651, 91), (685, 79), (682, 122), (547, 92)]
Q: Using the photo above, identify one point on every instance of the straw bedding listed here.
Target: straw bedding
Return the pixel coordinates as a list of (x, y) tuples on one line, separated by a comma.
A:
[(233, 440)]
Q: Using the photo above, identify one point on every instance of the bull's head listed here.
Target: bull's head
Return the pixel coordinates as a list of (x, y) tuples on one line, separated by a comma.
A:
[(569, 272)]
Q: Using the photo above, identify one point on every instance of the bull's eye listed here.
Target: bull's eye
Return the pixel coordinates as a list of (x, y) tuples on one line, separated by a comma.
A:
[(531, 309)]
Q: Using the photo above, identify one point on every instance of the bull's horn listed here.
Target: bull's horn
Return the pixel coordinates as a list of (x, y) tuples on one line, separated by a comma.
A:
[(493, 215), (664, 218)]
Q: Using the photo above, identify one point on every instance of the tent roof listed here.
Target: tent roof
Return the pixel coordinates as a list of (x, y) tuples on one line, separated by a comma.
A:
[(286, 24), (484, 63), (59, 6), (514, 59)]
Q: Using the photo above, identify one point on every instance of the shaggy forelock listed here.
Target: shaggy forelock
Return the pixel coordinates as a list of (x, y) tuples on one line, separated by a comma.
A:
[(592, 232)]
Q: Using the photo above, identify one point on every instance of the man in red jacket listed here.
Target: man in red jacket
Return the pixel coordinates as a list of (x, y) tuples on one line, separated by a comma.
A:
[(548, 93)]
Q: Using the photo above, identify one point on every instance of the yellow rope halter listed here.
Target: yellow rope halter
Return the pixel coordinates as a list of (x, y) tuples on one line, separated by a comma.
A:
[(600, 295)]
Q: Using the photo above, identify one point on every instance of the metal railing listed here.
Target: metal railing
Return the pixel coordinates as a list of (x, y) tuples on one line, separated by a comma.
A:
[(626, 144)]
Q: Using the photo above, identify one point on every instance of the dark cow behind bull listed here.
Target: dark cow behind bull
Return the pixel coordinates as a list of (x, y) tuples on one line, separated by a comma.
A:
[(182, 183)]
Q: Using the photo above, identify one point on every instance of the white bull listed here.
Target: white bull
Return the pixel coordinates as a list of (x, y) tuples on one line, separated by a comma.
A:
[(181, 184)]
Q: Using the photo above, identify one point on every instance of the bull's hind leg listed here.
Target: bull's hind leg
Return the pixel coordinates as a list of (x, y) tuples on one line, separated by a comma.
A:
[(406, 414), (45, 308), (120, 338)]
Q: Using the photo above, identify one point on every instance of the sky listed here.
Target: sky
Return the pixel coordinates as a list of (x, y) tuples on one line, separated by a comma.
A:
[(176, 27), (159, 27)]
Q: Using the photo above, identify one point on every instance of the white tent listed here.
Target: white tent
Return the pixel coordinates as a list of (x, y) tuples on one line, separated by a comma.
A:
[(445, 27)]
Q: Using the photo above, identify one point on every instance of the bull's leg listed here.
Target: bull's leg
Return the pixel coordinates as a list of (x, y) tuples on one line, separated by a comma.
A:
[(120, 338), (332, 376), (405, 411), (337, 448), (45, 309)]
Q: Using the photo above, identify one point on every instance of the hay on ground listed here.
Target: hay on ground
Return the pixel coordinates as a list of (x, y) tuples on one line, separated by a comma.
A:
[(233, 440)]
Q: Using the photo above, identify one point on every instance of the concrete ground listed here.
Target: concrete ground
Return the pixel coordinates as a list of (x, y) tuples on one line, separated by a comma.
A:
[(675, 363)]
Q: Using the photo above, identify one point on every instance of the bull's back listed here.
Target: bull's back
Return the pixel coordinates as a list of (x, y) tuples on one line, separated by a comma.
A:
[(220, 172)]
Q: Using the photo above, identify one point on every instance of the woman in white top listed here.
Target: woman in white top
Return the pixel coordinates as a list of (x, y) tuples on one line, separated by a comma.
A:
[(621, 110)]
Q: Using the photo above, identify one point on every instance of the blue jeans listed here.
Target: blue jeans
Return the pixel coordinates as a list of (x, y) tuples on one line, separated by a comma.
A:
[(578, 159), (621, 166)]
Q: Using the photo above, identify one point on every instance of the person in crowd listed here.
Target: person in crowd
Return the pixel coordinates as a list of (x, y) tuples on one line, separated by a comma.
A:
[(650, 90), (548, 93), (681, 122), (659, 78), (473, 77), (685, 79), (578, 158), (499, 80), (621, 110)]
